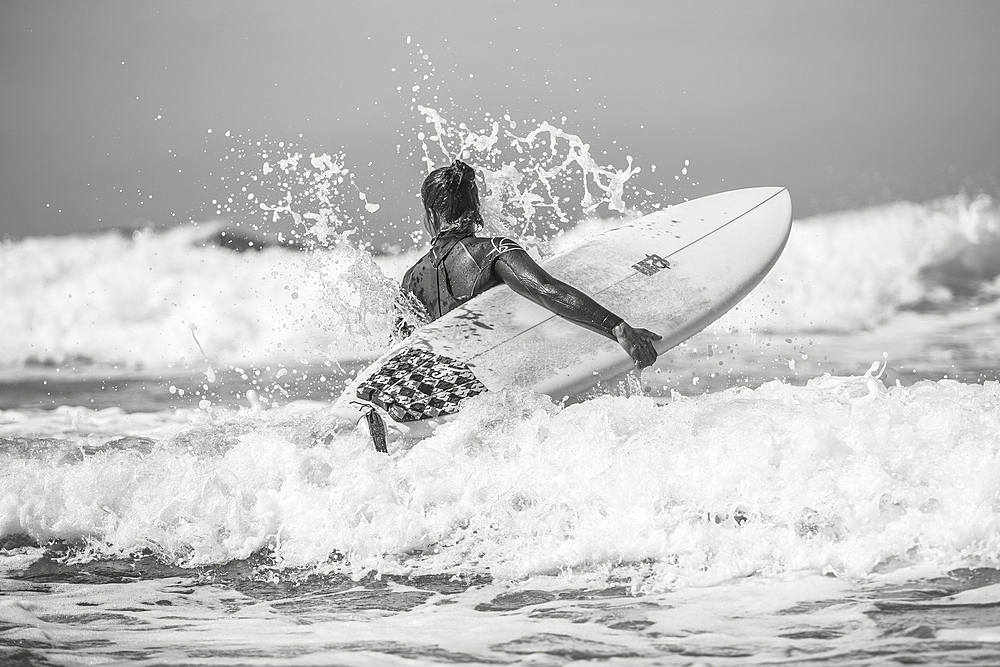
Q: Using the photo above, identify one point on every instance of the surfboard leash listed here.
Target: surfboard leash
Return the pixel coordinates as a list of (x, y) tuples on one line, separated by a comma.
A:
[(376, 426), (377, 429)]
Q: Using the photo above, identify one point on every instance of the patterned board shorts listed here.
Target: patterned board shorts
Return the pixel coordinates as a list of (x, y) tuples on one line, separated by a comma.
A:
[(416, 384)]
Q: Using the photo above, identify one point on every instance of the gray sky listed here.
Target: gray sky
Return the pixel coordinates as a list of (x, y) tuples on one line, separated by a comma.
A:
[(105, 105)]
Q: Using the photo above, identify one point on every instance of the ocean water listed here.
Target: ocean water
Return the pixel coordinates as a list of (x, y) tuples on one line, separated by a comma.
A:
[(173, 491)]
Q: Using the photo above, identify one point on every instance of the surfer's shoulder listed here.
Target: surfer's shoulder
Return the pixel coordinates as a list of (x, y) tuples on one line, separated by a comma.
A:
[(413, 274), (408, 277)]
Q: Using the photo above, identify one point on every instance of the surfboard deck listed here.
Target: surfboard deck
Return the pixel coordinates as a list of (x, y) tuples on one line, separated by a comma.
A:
[(673, 272)]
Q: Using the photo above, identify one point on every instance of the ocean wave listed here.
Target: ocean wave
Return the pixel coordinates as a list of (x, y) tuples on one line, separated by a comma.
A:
[(854, 270), (152, 300), (839, 476), (135, 300)]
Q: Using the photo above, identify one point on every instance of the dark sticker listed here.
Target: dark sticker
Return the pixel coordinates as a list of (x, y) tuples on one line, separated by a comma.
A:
[(652, 264)]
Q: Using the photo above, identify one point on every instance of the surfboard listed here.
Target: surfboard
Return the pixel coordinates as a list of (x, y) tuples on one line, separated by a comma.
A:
[(673, 272)]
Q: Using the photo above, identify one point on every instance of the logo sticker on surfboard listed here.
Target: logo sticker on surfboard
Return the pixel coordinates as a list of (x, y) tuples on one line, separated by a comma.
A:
[(651, 265)]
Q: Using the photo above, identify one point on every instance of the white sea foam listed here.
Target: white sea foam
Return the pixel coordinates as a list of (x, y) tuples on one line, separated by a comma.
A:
[(132, 301), (839, 476)]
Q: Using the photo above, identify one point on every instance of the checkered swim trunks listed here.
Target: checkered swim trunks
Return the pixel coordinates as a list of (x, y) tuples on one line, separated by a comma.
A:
[(417, 384)]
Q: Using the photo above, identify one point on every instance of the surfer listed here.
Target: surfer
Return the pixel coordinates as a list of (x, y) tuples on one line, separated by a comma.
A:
[(461, 265)]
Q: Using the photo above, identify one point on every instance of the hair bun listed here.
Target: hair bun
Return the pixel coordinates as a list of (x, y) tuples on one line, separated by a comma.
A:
[(464, 171)]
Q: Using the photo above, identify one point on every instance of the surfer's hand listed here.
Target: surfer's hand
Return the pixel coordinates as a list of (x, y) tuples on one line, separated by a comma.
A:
[(637, 342)]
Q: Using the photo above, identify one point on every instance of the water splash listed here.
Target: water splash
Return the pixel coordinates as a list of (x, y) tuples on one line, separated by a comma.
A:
[(536, 184), (316, 194)]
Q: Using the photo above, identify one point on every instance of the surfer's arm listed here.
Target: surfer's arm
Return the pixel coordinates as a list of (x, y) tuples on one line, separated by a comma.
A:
[(523, 275)]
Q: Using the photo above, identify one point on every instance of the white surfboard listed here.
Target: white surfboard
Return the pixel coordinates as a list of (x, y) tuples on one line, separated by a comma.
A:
[(673, 272)]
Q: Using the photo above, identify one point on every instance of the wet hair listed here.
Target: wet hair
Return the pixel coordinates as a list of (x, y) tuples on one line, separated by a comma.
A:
[(451, 200)]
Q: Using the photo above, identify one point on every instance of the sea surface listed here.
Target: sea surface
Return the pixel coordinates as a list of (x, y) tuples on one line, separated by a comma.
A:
[(173, 490)]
